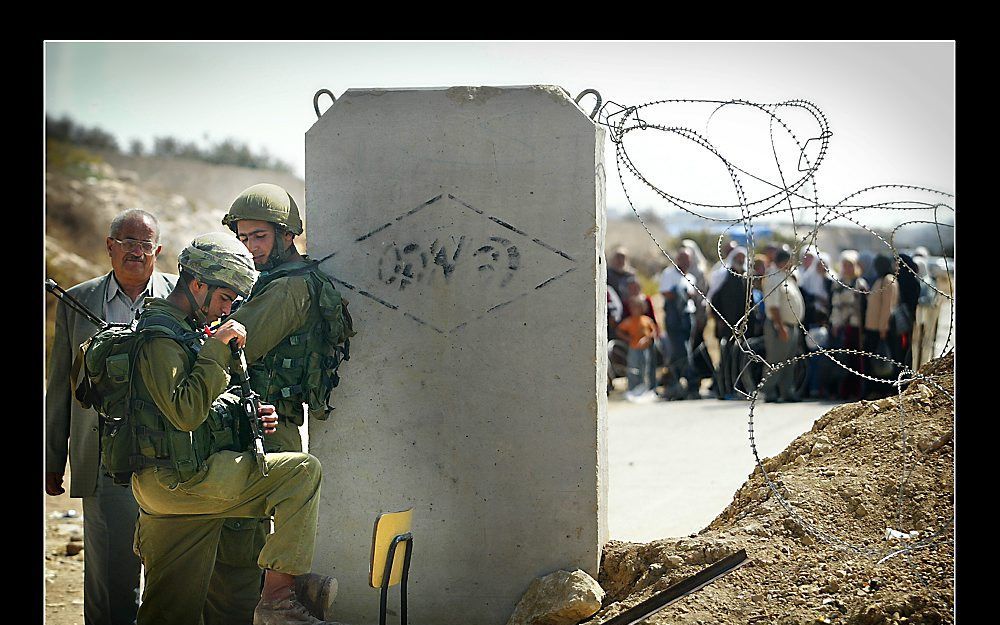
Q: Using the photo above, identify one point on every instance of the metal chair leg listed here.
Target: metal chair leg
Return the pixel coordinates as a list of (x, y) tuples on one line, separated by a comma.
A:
[(402, 584), (390, 558)]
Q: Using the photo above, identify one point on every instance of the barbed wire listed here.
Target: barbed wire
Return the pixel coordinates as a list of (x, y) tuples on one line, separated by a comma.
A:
[(792, 193)]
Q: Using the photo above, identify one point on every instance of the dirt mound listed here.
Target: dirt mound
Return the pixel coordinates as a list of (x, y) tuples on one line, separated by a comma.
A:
[(819, 553)]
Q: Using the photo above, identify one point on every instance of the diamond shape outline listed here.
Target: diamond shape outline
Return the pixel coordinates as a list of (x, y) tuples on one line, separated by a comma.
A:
[(482, 213)]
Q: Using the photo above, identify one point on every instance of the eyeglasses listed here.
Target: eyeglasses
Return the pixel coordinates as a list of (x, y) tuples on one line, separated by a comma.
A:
[(131, 244)]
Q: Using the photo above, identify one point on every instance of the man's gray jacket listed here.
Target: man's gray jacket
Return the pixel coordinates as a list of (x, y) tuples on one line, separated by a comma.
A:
[(68, 426)]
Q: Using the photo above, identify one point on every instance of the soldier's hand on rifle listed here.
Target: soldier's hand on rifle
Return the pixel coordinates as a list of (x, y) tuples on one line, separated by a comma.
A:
[(268, 417), (230, 330)]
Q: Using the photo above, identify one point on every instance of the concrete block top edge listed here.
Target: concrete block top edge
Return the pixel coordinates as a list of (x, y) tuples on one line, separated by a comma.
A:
[(463, 93)]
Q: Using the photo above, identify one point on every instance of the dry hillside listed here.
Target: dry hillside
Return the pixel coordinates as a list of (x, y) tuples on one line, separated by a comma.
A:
[(85, 189)]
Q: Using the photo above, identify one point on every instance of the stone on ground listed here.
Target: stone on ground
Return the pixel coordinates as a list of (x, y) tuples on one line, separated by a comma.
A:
[(559, 598)]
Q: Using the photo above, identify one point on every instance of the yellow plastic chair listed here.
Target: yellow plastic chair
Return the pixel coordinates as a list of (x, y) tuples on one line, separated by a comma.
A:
[(391, 534)]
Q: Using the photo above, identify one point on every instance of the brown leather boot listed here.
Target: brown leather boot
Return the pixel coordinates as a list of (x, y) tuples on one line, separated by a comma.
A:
[(287, 611), (316, 592)]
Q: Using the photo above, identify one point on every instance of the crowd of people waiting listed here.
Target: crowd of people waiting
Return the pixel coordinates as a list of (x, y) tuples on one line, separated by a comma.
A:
[(870, 312)]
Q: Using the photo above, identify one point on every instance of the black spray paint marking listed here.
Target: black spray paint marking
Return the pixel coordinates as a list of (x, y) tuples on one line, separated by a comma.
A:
[(472, 208), (380, 301), (513, 258), (440, 253), (506, 225), (348, 285), (501, 305), (510, 227), (376, 230), (491, 217), (549, 247), (407, 213), (399, 264), (554, 278), (411, 262), (424, 323), (425, 204)]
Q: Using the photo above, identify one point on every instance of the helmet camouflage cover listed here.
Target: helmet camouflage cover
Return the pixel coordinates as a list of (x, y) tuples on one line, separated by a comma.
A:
[(265, 202), (220, 259)]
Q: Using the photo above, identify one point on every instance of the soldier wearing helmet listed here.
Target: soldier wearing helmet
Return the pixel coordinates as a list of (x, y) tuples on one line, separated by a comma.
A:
[(271, 222), (293, 317), (295, 314), (194, 475)]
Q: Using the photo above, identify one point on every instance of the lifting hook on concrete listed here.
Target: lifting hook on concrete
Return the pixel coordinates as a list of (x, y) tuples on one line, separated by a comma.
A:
[(316, 100), (597, 106)]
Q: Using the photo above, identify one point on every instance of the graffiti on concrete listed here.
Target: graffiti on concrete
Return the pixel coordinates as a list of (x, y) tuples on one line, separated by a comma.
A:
[(402, 265), (449, 270)]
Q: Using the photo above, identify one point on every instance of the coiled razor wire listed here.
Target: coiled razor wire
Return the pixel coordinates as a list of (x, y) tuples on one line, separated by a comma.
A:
[(789, 196)]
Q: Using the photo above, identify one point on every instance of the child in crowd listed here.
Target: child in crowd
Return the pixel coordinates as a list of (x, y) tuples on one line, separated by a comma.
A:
[(639, 330)]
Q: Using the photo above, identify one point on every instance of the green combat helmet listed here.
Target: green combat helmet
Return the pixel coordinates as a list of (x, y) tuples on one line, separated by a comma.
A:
[(270, 203), (265, 202), (218, 259)]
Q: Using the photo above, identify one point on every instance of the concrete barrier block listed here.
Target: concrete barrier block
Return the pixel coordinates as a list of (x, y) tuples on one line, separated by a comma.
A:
[(468, 226)]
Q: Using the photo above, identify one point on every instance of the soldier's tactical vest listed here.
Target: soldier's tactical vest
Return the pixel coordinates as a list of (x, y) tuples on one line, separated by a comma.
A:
[(303, 366), (134, 433)]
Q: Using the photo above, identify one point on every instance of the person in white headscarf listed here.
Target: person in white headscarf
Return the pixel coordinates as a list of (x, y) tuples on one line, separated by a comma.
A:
[(808, 258), (725, 250), (699, 264), (811, 278), (719, 273)]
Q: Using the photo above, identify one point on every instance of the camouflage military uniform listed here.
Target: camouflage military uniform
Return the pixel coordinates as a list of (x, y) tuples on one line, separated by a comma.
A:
[(180, 519), (281, 315), (236, 587), (194, 475), (270, 317), (283, 320)]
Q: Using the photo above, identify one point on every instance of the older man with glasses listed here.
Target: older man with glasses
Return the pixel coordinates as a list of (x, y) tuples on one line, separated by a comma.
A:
[(111, 569)]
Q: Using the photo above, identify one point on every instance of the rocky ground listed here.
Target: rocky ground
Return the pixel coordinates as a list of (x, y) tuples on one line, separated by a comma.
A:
[(63, 560), (843, 480)]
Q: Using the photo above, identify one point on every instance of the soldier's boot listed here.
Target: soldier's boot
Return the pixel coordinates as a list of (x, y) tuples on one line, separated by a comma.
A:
[(286, 611), (316, 593)]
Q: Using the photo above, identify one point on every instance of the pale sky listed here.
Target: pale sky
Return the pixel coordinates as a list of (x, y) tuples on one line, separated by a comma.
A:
[(890, 106)]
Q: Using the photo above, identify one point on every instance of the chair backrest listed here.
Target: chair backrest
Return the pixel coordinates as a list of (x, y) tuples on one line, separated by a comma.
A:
[(388, 525)]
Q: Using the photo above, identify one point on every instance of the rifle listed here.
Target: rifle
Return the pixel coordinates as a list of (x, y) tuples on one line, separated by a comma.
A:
[(75, 305), (250, 403)]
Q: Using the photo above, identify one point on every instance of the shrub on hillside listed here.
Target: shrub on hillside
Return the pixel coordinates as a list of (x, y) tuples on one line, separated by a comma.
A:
[(226, 152)]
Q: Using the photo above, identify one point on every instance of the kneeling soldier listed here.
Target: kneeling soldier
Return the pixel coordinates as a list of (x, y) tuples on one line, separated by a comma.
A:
[(193, 472)]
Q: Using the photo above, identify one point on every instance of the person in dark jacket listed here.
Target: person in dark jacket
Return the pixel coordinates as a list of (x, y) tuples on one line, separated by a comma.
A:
[(909, 283), (906, 313), (729, 306)]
